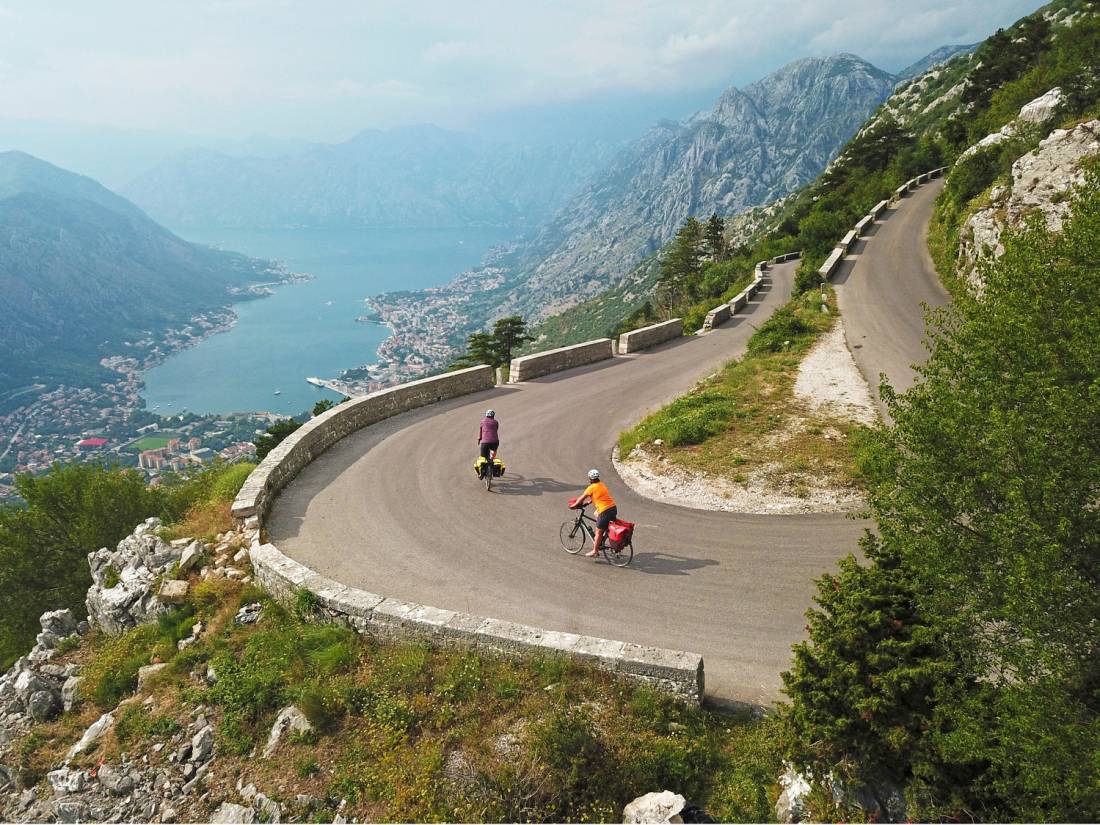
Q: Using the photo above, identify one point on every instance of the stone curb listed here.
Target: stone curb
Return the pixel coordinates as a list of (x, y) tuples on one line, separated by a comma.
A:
[(673, 671)]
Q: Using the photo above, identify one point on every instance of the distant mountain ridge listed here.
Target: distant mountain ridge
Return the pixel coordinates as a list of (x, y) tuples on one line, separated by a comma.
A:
[(408, 177), (756, 144), (82, 268)]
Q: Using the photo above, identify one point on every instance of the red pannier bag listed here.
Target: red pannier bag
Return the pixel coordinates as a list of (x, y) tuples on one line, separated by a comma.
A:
[(573, 503), (619, 533)]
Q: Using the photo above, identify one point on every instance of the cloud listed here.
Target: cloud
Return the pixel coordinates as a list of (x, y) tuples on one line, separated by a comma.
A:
[(450, 51)]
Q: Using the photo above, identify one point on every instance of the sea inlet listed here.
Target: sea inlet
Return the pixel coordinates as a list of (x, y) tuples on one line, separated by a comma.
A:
[(307, 328)]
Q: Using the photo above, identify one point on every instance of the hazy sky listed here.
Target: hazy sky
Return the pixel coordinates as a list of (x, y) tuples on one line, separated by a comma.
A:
[(325, 69)]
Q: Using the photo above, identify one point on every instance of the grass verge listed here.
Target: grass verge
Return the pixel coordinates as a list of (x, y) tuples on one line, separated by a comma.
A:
[(745, 421)]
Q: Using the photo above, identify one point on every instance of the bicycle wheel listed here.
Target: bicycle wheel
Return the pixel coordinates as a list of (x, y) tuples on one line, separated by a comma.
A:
[(573, 537), (489, 478), (621, 557)]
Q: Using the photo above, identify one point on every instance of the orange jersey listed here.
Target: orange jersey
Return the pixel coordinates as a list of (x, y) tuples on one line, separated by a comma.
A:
[(601, 496)]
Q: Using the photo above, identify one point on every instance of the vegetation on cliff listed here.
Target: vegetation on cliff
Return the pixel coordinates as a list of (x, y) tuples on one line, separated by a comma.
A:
[(961, 663)]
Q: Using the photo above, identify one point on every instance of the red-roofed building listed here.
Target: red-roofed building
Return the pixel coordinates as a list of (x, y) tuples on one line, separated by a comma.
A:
[(90, 443)]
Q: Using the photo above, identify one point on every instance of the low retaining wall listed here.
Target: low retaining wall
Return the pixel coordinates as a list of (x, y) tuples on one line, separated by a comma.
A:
[(717, 316), (828, 268), (861, 227), (527, 367), (790, 256), (674, 671), (320, 433), (847, 241), (639, 339)]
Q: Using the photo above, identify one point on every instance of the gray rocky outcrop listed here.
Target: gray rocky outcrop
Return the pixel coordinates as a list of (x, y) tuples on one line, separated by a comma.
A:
[(32, 690), (1034, 113), (123, 579), (289, 720), (659, 806), (1041, 184)]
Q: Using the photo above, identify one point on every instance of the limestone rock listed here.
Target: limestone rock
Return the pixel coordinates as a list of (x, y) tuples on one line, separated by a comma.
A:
[(61, 623), (289, 719), (146, 673), (1041, 181), (660, 806), (44, 705), (1042, 108), (66, 780), (70, 692), (230, 812), (122, 580), (202, 744), (191, 556), (249, 613), (791, 804), (173, 591), (92, 735), (115, 781)]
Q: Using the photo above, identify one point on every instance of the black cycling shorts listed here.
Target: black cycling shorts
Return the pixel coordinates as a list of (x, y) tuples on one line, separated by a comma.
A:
[(486, 446), (604, 519)]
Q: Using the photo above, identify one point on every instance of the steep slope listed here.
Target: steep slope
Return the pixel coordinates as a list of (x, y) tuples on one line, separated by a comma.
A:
[(417, 176), (82, 269), (756, 144)]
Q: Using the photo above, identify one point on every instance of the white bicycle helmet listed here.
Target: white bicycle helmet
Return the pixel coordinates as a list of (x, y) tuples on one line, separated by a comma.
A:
[(593, 474), (490, 413)]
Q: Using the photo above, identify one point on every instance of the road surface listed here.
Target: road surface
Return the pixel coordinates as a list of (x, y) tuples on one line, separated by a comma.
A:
[(880, 288), (396, 509)]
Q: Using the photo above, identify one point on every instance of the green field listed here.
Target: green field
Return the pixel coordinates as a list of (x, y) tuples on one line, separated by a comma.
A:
[(152, 442)]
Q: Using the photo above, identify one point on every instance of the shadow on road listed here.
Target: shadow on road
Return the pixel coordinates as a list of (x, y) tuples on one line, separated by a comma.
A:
[(514, 484), (668, 564)]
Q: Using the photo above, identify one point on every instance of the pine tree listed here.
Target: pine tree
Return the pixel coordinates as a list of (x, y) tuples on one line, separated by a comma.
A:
[(509, 334), (716, 238)]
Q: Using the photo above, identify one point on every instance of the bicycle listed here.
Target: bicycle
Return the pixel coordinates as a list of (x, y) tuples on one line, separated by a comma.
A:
[(488, 479), (576, 534)]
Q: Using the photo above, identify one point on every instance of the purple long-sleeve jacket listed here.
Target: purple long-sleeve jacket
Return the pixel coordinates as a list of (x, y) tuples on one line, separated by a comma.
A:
[(488, 432)]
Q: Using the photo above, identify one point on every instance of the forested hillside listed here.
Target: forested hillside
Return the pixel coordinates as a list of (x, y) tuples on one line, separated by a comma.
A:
[(82, 270)]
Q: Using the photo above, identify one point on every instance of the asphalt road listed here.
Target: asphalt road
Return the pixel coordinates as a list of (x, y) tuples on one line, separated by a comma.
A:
[(881, 287), (396, 509)]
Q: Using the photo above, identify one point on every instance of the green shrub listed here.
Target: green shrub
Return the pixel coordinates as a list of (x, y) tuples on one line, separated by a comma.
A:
[(111, 676), (779, 332), (137, 724)]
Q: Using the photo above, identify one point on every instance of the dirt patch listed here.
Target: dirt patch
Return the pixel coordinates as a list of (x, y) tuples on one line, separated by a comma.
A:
[(764, 491), (830, 382)]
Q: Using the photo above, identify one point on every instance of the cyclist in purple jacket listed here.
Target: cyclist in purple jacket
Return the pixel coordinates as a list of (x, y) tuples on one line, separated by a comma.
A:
[(488, 437)]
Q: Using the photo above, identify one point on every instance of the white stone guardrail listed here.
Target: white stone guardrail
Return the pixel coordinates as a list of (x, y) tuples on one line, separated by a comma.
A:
[(651, 336), (538, 364), (318, 434), (676, 672), (832, 263), (673, 671), (723, 312)]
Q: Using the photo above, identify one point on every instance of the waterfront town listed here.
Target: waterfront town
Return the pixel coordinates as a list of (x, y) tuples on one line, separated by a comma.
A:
[(41, 426)]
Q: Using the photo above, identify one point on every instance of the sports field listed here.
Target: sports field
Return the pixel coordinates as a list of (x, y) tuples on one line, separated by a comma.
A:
[(152, 442)]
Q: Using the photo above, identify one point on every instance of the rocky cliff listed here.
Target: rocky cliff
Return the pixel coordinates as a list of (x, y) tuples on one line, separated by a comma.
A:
[(756, 144)]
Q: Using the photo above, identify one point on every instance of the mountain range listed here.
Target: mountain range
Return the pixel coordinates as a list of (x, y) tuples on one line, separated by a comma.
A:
[(82, 269), (756, 144), (409, 177)]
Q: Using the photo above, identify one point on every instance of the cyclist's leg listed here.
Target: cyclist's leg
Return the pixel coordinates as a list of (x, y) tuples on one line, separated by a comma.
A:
[(602, 522)]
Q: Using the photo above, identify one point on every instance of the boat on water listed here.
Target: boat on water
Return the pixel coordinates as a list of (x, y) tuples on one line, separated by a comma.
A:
[(278, 392)]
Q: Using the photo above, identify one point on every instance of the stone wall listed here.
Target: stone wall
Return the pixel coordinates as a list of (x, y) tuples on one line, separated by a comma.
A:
[(320, 433), (672, 671), (639, 339), (527, 367)]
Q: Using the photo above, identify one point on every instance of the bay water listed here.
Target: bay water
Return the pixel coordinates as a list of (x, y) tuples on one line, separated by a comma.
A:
[(306, 328)]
